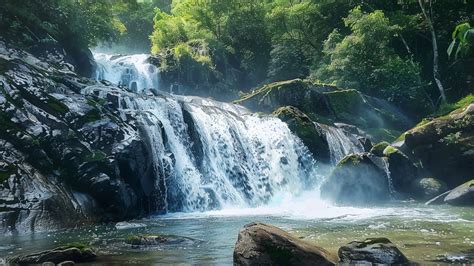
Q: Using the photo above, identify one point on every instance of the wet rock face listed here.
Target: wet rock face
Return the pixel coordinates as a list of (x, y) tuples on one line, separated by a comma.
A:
[(358, 179), (402, 170), (372, 251), (66, 158), (261, 244)]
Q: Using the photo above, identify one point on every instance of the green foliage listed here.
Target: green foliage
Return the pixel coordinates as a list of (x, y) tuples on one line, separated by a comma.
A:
[(461, 35), (364, 59), (71, 23), (449, 107), (234, 31)]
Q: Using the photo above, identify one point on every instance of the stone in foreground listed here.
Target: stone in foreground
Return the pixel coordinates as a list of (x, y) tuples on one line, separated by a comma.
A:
[(261, 244), (57, 256), (372, 251)]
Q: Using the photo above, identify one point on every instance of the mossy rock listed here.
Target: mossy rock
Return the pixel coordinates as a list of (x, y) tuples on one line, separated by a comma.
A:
[(378, 148), (402, 170), (302, 94), (344, 102), (445, 145), (358, 179), (328, 104), (427, 188), (302, 126)]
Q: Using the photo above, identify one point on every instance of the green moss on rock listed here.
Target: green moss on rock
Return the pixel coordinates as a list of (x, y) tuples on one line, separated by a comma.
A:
[(355, 159), (96, 156), (57, 106), (378, 148), (301, 125), (390, 150), (344, 102)]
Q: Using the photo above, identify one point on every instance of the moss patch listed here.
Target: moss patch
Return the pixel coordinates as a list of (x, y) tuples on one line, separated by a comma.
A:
[(57, 106), (390, 150), (378, 148), (6, 172), (96, 156), (355, 159), (268, 88), (344, 102)]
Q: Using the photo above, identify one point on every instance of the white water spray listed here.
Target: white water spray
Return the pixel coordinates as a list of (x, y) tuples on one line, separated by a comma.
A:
[(132, 71)]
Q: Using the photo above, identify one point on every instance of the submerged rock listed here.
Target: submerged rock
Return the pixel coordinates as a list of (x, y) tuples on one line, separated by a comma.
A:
[(371, 251), (156, 240), (462, 195), (357, 179), (57, 255), (261, 244)]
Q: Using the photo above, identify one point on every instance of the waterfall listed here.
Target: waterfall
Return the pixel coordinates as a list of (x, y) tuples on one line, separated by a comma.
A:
[(210, 155), (340, 143), (131, 71)]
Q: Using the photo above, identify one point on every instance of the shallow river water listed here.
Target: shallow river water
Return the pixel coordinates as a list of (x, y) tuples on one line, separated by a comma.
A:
[(427, 235)]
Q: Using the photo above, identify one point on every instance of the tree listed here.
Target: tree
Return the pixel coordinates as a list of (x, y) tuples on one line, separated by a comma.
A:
[(426, 7), (365, 60)]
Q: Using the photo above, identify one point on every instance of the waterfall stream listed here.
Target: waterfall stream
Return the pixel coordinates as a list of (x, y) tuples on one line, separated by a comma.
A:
[(132, 71), (208, 154)]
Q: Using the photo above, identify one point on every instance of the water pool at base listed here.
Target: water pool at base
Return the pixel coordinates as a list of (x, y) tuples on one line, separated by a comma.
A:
[(427, 235)]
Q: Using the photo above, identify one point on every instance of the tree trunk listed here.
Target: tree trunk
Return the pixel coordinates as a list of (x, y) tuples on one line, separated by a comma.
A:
[(434, 43)]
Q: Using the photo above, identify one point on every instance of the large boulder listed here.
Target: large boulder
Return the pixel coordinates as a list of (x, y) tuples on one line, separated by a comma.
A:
[(261, 244), (357, 179), (445, 145), (328, 104), (462, 195), (372, 251), (402, 170)]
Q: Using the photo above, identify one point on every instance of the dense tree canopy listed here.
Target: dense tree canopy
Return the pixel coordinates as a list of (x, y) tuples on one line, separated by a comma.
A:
[(404, 51), (384, 48)]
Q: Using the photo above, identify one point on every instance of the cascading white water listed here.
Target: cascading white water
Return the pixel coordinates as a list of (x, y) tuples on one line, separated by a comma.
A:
[(132, 71), (245, 159), (340, 144)]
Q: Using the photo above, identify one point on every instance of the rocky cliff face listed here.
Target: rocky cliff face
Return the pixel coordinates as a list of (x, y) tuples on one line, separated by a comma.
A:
[(65, 157)]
